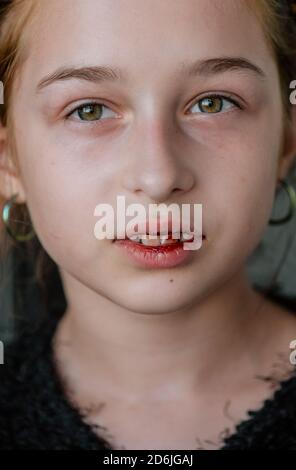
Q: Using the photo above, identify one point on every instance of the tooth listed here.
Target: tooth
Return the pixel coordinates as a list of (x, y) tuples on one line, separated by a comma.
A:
[(176, 236), (160, 240), (135, 238), (150, 242), (168, 241), (186, 237), (163, 239)]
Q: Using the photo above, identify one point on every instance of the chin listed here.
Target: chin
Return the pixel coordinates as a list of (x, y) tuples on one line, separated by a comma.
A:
[(156, 303)]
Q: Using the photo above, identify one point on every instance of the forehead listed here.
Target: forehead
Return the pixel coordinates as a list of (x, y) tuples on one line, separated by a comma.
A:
[(143, 35)]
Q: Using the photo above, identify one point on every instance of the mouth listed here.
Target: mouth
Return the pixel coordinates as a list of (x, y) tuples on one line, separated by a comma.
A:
[(163, 251), (158, 240)]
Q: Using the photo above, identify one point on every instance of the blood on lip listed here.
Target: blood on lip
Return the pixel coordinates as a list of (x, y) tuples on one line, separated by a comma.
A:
[(155, 247), (168, 255)]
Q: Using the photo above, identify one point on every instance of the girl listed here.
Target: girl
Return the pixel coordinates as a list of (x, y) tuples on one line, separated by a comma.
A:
[(161, 102)]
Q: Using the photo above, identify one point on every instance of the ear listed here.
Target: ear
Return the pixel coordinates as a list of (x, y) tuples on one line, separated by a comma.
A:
[(10, 178), (288, 154)]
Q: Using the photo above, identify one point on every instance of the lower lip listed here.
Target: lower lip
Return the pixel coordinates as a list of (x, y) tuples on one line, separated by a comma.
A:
[(165, 256)]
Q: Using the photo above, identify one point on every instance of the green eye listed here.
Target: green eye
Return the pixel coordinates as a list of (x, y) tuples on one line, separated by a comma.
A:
[(211, 105), (90, 112), (214, 104)]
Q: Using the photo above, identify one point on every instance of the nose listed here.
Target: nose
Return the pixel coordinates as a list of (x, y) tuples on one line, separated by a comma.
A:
[(155, 167)]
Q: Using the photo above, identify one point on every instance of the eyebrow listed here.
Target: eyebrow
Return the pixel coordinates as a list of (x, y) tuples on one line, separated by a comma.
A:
[(95, 74), (220, 65), (101, 73)]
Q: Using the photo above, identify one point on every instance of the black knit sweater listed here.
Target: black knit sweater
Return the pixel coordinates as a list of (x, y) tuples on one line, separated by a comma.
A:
[(35, 414)]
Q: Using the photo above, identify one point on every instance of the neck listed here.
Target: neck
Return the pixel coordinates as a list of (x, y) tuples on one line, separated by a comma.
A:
[(144, 355)]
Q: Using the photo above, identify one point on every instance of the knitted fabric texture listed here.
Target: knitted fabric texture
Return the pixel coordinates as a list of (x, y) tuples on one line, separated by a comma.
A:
[(35, 413)]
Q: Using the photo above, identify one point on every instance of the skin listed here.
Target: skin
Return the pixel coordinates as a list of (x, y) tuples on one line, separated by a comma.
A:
[(145, 343)]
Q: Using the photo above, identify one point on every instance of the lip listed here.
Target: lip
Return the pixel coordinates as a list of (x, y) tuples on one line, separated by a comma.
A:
[(164, 256)]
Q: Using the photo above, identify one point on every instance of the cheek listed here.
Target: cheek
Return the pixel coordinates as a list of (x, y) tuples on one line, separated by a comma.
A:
[(239, 192), (61, 199), (245, 206)]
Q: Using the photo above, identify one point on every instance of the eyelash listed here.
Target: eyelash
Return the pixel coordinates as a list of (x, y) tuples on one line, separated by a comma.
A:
[(89, 103), (216, 95), (196, 102)]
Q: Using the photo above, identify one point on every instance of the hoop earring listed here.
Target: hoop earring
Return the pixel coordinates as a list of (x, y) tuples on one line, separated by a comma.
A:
[(292, 204), (6, 219)]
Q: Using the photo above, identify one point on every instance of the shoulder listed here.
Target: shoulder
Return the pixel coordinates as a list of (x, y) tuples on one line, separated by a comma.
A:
[(34, 412), (10, 372), (273, 427), (22, 375)]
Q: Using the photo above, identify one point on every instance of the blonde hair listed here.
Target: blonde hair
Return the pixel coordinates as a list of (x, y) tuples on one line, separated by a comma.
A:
[(14, 17)]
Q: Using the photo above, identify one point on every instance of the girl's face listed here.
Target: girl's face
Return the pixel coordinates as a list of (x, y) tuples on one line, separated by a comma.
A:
[(153, 140)]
